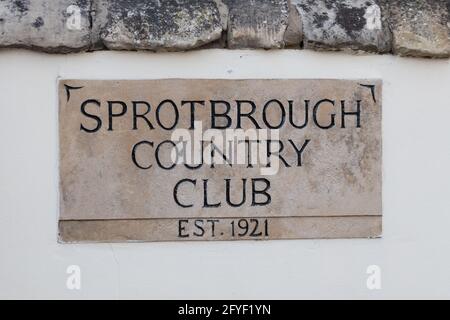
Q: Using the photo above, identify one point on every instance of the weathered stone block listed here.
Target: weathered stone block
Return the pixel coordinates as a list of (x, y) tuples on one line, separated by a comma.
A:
[(52, 26), (293, 35), (157, 24), (257, 23), (345, 24), (168, 229), (420, 28)]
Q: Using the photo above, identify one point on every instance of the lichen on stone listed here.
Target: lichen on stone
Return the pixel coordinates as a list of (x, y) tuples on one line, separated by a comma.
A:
[(159, 25), (412, 28)]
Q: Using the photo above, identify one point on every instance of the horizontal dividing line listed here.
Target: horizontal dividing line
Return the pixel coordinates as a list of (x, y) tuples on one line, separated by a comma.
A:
[(204, 240), (201, 217)]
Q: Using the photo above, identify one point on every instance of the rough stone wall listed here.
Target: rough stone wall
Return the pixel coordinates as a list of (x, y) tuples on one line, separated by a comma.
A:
[(409, 28)]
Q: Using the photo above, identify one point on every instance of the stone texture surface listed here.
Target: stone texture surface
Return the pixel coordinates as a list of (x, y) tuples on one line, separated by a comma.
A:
[(52, 26), (257, 23), (158, 24), (412, 28), (344, 24), (420, 27)]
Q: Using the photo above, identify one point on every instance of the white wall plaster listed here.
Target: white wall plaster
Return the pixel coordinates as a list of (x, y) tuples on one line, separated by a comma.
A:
[(412, 255)]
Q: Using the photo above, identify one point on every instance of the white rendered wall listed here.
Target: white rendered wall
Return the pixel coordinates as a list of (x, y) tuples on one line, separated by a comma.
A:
[(414, 253)]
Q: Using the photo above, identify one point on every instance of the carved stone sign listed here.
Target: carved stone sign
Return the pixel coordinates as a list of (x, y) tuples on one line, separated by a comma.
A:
[(185, 159)]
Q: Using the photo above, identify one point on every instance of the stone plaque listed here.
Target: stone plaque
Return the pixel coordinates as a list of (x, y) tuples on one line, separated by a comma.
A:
[(191, 159)]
